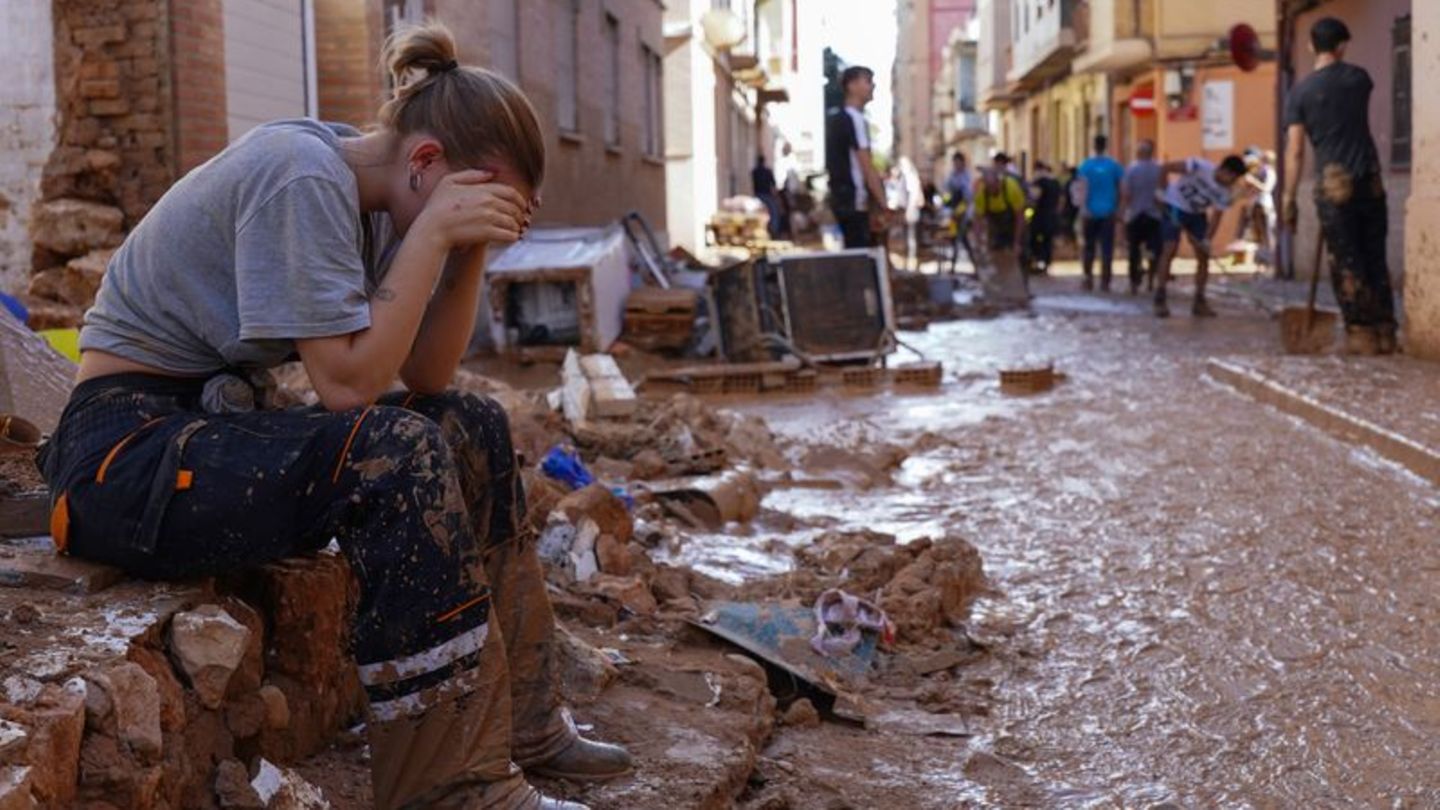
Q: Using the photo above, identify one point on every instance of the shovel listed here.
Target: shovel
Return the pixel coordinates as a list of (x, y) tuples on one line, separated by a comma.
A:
[(1306, 330)]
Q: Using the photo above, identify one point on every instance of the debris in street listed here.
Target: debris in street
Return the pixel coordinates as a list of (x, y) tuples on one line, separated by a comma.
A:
[(1028, 379), (713, 501), (660, 320), (35, 381)]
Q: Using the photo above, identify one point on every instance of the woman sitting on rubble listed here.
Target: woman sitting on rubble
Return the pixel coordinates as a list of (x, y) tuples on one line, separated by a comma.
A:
[(362, 254)]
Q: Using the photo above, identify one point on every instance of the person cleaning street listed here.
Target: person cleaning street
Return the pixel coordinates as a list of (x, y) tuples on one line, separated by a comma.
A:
[(1194, 203), (1000, 225), (1331, 107), (362, 255)]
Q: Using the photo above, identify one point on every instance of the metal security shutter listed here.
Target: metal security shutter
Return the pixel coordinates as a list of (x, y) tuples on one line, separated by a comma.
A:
[(267, 55)]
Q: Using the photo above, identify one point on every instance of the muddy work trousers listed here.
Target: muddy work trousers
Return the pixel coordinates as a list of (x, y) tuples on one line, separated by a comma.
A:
[(1355, 232), (422, 495)]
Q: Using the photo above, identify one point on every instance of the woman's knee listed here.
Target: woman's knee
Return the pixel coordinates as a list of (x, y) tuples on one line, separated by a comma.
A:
[(391, 441)]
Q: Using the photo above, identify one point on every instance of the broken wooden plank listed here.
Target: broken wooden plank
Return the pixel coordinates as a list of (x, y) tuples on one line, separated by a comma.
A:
[(25, 515), (35, 381)]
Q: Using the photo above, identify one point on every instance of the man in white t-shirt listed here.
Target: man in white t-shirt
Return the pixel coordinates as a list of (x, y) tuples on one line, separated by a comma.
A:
[(856, 191), (1194, 202)]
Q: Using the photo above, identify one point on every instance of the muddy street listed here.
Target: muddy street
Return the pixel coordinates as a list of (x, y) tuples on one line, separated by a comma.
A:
[(1200, 600)]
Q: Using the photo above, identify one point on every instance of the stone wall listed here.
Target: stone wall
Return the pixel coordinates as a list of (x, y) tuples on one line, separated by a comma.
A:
[(161, 697), (27, 128)]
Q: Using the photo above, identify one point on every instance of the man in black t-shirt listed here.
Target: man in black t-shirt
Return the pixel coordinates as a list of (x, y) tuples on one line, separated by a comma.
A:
[(855, 188), (1331, 107)]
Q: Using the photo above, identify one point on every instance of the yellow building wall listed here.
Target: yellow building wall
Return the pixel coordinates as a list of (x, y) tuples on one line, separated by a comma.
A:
[(1188, 28)]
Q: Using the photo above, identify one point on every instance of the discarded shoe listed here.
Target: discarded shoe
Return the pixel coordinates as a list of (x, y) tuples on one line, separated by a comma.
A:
[(586, 761), (1201, 309)]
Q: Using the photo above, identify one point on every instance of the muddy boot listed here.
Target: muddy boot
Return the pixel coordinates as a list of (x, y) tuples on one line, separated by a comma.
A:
[(1361, 341), (585, 761), (1087, 284), (512, 793), (1385, 340), (1162, 309), (1201, 309)]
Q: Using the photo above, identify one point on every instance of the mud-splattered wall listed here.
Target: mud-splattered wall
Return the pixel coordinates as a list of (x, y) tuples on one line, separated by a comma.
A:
[(27, 128), (1422, 211)]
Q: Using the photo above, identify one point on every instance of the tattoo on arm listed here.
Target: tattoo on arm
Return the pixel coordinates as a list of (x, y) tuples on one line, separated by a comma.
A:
[(384, 294)]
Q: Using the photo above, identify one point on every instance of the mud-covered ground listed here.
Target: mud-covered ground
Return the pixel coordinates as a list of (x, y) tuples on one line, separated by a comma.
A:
[(1200, 601), (1195, 600)]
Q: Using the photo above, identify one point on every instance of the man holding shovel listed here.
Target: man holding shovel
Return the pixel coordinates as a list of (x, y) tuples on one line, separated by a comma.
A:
[(1331, 107)]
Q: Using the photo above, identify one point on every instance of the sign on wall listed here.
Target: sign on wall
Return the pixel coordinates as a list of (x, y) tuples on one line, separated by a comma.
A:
[(1217, 115)]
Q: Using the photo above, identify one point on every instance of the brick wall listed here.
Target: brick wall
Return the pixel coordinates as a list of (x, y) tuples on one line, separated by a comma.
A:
[(347, 53), (199, 81), (113, 113), (586, 182)]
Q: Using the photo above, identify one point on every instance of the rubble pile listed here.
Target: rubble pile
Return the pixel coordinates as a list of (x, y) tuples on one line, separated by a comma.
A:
[(147, 696)]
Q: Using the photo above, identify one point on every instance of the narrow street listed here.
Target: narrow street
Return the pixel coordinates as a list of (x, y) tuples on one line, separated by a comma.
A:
[(1200, 600)]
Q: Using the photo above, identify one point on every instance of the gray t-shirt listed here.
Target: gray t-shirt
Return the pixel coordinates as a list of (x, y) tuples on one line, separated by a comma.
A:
[(261, 245), (1142, 187)]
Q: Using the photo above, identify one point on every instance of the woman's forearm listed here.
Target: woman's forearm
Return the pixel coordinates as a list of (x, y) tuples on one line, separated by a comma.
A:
[(352, 370), (448, 324)]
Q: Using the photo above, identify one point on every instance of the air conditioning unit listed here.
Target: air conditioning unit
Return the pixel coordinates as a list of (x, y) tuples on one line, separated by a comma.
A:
[(832, 307)]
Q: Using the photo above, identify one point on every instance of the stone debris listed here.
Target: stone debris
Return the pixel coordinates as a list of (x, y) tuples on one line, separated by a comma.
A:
[(209, 645)]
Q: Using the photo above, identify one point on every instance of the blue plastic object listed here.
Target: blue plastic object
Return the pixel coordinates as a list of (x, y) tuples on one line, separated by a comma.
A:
[(16, 308), (567, 468)]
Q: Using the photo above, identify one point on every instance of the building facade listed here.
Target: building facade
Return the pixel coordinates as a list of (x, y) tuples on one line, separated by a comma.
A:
[(929, 51), (592, 70), (729, 67)]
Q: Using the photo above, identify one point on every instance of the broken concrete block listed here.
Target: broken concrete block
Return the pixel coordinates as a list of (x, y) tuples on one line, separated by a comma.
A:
[(602, 506), (277, 708), (610, 393), (233, 788), (15, 791), (584, 671), (128, 696), (73, 227), (801, 714), (13, 739), (612, 555), (630, 592), (57, 725), (574, 390), (209, 645)]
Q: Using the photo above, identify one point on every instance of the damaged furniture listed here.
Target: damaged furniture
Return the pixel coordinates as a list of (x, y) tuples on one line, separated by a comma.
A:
[(560, 288)]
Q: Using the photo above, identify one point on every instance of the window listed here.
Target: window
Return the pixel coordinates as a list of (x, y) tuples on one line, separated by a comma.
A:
[(654, 123), (1400, 94), (612, 81), (505, 39), (567, 66)]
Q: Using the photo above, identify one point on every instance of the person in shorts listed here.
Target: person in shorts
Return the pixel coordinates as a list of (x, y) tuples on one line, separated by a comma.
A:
[(1194, 203)]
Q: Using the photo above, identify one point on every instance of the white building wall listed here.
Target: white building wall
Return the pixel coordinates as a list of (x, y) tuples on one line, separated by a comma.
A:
[(27, 127), (691, 190), (265, 64)]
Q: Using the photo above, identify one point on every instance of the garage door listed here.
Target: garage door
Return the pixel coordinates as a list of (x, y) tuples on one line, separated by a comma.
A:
[(267, 61)]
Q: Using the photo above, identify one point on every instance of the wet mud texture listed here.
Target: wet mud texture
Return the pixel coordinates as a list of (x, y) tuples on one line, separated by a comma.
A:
[(1201, 600)]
